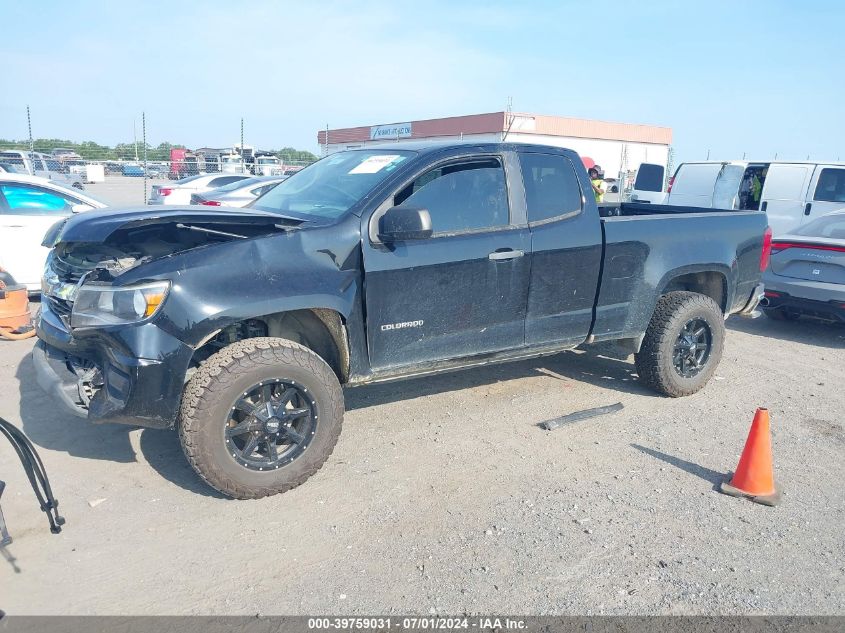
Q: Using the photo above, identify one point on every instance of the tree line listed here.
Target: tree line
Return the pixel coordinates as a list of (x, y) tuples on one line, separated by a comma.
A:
[(89, 150)]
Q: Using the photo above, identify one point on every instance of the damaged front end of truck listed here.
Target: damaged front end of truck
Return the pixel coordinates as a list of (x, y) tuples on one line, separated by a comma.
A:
[(105, 280)]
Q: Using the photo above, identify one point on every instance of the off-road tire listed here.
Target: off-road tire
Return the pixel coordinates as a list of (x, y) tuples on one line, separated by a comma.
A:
[(654, 361), (216, 384)]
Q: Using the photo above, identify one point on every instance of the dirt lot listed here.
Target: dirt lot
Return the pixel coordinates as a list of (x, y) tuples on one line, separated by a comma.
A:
[(443, 495)]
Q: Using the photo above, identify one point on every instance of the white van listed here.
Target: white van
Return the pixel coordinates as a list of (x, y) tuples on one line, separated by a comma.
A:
[(791, 193)]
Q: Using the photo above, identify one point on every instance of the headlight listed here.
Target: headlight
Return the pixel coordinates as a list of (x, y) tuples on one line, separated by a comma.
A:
[(106, 305)]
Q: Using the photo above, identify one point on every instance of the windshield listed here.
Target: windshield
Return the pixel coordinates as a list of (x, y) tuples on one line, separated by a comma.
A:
[(330, 187)]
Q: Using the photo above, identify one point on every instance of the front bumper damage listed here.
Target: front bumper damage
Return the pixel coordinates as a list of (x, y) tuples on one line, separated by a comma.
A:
[(103, 375)]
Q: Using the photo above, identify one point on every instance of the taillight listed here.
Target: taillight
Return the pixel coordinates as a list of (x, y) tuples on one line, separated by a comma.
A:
[(772, 294), (210, 203), (782, 246), (165, 191), (671, 182), (766, 255)]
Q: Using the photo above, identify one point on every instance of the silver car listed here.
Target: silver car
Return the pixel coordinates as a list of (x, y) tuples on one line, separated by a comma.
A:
[(180, 192), (806, 273), (238, 194)]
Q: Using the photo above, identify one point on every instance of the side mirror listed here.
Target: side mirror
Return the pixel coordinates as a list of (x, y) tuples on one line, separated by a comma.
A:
[(404, 223), (79, 208)]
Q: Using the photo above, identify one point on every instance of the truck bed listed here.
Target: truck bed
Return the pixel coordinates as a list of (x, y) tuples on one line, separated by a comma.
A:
[(616, 209), (643, 251)]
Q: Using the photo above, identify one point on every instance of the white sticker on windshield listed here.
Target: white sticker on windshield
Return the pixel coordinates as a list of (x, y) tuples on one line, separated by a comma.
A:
[(375, 164)]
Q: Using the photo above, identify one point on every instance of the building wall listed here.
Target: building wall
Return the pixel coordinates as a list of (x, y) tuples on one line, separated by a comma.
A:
[(493, 137), (607, 153)]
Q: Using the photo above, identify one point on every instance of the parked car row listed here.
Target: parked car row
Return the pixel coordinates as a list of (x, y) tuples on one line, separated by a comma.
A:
[(38, 164)]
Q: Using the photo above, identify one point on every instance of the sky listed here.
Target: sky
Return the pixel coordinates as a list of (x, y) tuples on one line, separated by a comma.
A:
[(730, 78)]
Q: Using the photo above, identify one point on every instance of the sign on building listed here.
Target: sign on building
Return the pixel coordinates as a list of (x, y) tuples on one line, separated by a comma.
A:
[(396, 130)]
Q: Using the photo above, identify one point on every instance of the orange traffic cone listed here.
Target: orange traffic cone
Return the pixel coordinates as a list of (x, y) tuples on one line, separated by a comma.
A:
[(754, 477)]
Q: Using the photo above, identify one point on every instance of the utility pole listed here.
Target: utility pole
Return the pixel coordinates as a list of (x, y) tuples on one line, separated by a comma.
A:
[(670, 165), (135, 136), (243, 171), (509, 119), (708, 155), (326, 145), (29, 127), (144, 140)]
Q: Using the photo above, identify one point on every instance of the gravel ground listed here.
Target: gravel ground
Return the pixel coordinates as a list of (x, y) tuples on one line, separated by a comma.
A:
[(444, 496)]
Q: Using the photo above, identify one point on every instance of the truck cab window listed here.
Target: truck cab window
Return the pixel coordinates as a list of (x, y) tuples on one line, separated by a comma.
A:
[(551, 186), (461, 196)]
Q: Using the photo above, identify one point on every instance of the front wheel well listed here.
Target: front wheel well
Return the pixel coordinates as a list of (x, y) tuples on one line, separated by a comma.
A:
[(320, 330)]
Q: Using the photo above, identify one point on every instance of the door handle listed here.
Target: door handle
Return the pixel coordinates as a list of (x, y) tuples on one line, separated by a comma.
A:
[(505, 255), (765, 204), (807, 208)]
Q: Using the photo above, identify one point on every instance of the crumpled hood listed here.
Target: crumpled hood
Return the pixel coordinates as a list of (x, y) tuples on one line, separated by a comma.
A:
[(98, 225)]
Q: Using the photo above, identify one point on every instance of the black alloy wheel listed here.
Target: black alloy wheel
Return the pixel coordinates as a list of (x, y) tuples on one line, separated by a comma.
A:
[(271, 424), (692, 348)]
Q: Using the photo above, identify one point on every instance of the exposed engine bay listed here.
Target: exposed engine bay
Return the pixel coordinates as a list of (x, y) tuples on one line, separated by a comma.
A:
[(131, 246)]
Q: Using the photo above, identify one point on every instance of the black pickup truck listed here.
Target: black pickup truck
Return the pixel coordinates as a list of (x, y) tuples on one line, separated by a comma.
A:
[(238, 327)]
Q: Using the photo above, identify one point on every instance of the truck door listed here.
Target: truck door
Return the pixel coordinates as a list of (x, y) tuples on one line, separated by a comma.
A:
[(784, 195), (461, 292), (827, 191), (566, 251)]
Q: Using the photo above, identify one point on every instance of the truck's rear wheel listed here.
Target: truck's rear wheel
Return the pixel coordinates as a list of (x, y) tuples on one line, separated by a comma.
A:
[(260, 417), (682, 345)]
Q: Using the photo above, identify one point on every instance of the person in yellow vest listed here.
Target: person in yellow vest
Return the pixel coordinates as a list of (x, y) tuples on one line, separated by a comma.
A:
[(597, 183), (757, 186)]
